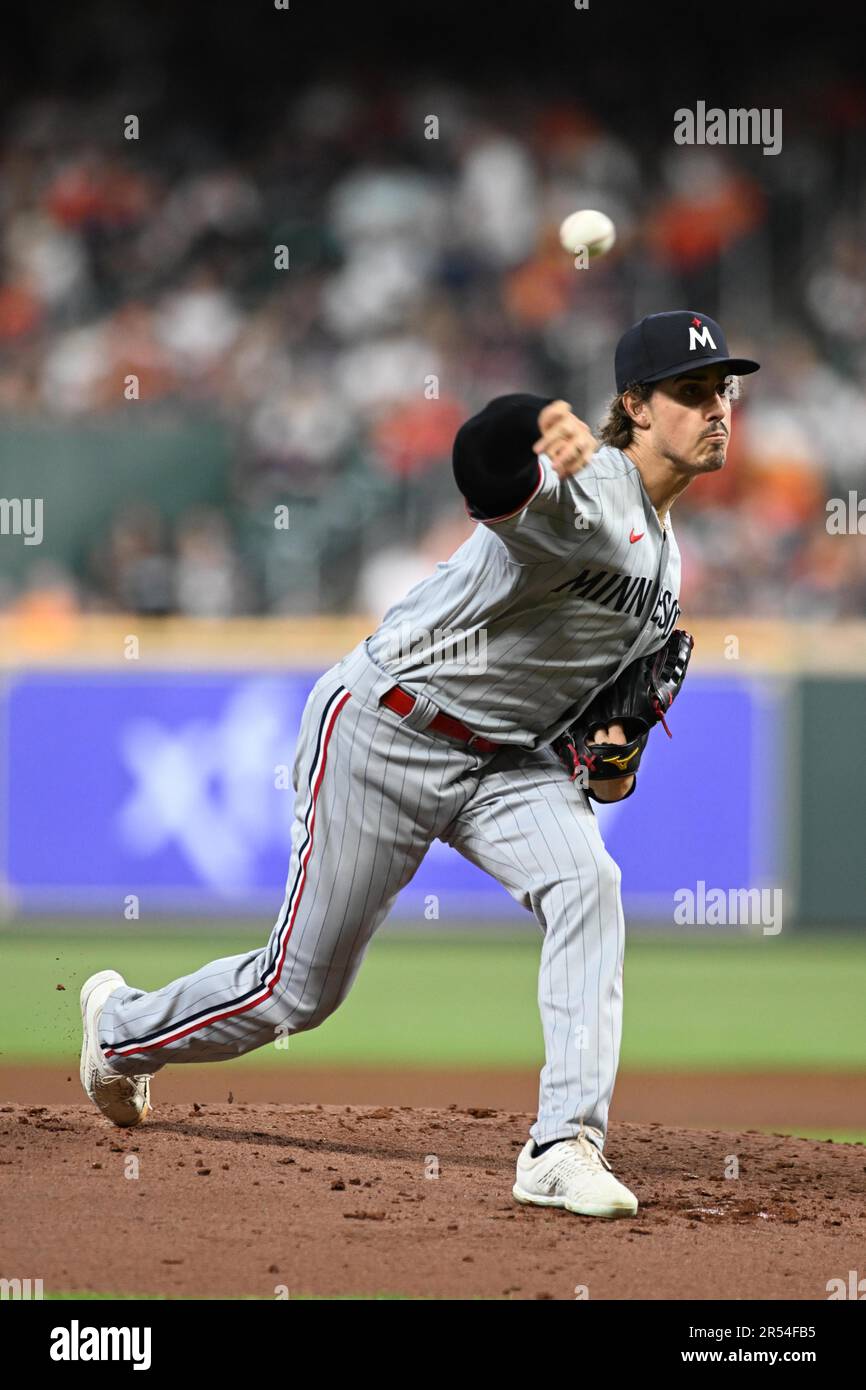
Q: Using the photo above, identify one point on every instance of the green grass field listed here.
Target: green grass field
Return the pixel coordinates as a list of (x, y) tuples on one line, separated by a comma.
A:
[(470, 1002), (459, 1001)]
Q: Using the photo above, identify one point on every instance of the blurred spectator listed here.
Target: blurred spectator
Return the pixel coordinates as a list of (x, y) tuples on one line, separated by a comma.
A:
[(207, 580), (392, 573), (135, 566), (424, 276), (836, 291)]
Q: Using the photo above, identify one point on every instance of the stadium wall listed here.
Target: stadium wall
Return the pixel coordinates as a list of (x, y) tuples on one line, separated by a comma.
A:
[(149, 763)]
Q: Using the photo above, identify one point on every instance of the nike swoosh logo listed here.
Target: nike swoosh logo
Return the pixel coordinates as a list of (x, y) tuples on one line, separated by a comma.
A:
[(636, 537)]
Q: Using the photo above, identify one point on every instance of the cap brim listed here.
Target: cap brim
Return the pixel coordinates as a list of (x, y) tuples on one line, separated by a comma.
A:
[(738, 366)]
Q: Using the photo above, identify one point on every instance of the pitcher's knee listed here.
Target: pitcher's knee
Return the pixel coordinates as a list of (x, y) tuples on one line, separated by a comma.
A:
[(597, 883), (299, 1015)]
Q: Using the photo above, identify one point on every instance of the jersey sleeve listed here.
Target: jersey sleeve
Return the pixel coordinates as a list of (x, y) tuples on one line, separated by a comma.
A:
[(515, 492), (494, 465)]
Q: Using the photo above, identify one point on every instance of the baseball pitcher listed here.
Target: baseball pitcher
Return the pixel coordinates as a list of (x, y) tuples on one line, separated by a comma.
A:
[(569, 586)]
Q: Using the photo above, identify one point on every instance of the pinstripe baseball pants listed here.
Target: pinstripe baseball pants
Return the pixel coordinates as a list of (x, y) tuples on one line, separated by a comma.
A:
[(373, 789)]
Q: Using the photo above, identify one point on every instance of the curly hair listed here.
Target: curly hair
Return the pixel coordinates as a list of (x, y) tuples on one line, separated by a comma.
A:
[(617, 428)]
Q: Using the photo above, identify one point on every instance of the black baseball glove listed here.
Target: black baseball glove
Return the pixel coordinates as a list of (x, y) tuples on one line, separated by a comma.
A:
[(640, 697)]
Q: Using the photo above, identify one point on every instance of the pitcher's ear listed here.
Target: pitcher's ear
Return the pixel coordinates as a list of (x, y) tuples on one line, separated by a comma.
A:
[(636, 406)]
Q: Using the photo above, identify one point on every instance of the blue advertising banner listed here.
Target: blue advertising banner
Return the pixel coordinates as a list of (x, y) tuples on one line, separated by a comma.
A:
[(175, 786)]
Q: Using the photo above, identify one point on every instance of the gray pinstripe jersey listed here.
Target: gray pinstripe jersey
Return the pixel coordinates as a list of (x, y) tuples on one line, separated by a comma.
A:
[(539, 609), (566, 591)]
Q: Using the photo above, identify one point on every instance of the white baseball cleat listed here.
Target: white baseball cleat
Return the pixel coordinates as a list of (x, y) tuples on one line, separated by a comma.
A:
[(125, 1100), (573, 1174)]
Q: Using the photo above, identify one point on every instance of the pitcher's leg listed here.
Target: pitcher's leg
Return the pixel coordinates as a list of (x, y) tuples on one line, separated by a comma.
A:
[(535, 831), (365, 811), (580, 997)]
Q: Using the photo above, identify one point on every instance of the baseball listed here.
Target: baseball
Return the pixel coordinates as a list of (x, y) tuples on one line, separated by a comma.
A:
[(588, 228)]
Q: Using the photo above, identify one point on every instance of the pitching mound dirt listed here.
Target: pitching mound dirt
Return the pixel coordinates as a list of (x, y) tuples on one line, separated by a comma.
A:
[(809, 1100), (228, 1200)]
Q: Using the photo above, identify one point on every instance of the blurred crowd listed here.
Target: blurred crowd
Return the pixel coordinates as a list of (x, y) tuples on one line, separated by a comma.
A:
[(340, 292)]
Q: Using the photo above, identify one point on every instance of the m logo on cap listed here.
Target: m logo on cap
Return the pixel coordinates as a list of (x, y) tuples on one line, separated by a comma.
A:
[(655, 348), (702, 339)]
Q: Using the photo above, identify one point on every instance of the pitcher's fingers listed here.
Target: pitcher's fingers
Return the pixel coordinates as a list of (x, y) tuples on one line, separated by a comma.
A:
[(554, 410)]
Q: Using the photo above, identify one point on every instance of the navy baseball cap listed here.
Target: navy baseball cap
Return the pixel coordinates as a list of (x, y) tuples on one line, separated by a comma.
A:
[(667, 344)]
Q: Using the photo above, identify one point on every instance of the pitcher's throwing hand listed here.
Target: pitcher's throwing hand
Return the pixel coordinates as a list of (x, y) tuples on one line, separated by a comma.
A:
[(566, 440)]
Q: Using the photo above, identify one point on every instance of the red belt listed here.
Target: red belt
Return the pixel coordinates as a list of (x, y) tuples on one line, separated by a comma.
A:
[(401, 702)]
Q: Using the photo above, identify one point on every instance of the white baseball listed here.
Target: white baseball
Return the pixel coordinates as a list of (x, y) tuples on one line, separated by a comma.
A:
[(588, 228)]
